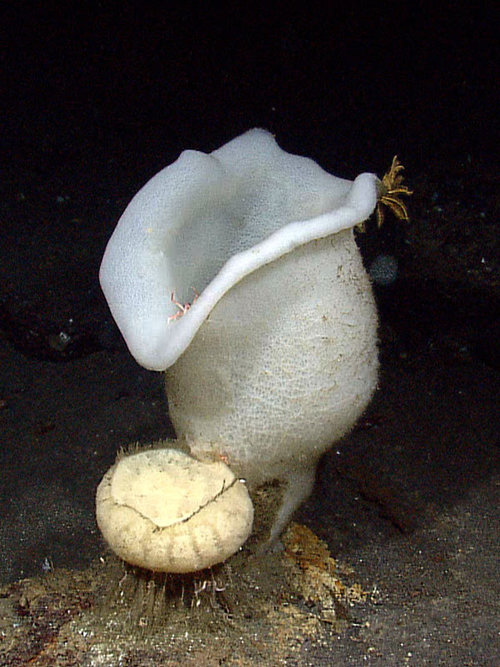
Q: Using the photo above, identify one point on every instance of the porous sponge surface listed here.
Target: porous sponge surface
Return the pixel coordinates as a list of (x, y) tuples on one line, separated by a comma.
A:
[(283, 366)]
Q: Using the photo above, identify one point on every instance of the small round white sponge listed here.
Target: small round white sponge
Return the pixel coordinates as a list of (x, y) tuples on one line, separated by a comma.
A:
[(164, 511)]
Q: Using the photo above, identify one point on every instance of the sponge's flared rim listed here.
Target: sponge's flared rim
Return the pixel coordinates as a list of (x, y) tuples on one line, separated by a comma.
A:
[(157, 342)]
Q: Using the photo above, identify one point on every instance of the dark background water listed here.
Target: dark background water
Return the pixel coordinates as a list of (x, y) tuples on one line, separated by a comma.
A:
[(91, 82)]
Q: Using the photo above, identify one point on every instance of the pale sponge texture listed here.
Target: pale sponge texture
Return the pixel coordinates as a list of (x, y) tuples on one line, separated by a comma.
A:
[(162, 510), (284, 365)]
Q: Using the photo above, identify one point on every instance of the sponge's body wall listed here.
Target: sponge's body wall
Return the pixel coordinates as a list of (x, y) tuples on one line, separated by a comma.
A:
[(281, 369)]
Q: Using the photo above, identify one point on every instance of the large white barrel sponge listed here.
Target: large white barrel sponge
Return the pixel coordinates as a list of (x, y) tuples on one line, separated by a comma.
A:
[(237, 272), (162, 510)]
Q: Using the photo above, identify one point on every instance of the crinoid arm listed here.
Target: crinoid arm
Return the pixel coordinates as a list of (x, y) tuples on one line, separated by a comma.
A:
[(391, 191)]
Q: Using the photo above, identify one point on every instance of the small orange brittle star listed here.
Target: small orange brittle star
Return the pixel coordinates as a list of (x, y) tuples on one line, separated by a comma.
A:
[(183, 307)]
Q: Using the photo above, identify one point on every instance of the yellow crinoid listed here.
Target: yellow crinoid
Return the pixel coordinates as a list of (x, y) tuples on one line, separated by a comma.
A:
[(391, 191)]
